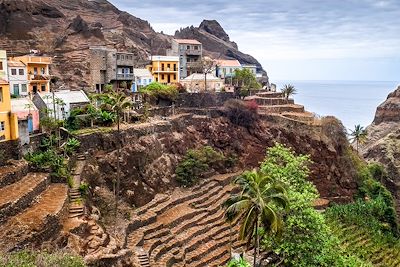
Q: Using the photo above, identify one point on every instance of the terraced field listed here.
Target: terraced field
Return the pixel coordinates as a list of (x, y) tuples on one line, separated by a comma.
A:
[(187, 228), (357, 241)]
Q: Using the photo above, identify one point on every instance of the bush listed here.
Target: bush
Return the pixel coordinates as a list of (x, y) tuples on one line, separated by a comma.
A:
[(48, 159), (71, 146), (238, 263), (196, 162), (157, 91), (241, 113)]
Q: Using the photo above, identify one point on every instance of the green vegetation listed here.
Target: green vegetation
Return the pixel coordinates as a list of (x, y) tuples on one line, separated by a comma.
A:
[(71, 146), (238, 263), (197, 162), (43, 259), (358, 135), (246, 81), (256, 205), (48, 160), (288, 90), (157, 91)]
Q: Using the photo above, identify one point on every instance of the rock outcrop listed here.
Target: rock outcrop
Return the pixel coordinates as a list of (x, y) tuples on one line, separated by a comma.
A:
[(66, 30), (383, 141)]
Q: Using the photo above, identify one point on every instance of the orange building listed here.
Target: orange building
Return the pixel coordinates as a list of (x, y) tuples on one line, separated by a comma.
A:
[(38, 72), (165, 69), (8, 120)]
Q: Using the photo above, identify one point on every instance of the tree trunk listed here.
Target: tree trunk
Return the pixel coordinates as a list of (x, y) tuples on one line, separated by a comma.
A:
[(118, 167), (357, 145), (256, 245)]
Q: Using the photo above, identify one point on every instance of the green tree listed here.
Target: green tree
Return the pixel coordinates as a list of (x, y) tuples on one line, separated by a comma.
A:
[(256, 206), (288, 90), (245, 80), (238, 263), (117, 103), (358, 135)]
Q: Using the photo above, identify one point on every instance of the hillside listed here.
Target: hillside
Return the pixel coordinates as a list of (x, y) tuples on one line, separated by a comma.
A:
[(66, 30), (383, 145)]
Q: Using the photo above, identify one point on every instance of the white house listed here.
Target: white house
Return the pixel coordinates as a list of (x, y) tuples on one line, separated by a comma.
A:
[(65, 101), (17, 77), (142, 78), (226, 68), (196, 83), (251, 68)]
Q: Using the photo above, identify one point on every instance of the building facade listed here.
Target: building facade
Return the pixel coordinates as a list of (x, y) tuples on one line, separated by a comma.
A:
[(143, 77), (196, 83), (226, 68), (251, 68), (38, 76), (190, 54), (8, 120), (165, 69), (3, 65), (107, 66), (17, 77), (26, 111)]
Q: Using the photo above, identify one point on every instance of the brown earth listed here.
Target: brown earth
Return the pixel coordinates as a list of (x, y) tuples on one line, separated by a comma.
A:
[(66, 30)]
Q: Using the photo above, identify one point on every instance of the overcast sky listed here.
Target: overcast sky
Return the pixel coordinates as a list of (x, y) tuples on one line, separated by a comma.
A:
[(296, 39)]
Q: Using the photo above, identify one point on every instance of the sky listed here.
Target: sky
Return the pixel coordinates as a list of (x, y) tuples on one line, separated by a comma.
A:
[(296, 39)]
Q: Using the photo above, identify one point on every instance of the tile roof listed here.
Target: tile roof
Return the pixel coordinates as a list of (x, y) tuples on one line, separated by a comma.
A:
[(15, 64), (228, 63), (187, 41)]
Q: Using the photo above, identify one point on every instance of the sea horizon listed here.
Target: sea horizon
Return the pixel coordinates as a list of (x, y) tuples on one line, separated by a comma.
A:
[(352, 101)]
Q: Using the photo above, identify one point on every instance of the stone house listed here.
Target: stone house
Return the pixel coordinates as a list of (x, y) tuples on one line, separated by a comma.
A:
[(190, 54), (195, 83)]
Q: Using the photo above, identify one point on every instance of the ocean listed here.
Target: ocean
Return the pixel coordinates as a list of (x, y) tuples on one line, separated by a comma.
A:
[(353, 102)]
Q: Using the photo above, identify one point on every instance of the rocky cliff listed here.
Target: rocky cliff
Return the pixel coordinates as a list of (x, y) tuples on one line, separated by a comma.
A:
[(151, 152), (383, 142), (66, 30)]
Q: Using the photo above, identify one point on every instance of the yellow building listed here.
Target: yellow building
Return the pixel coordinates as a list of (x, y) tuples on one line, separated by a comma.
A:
[(165, 69), (37, 71), (8, 120)]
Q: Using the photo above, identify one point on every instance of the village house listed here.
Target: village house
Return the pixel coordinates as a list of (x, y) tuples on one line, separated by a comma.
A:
[(17, 77), (251, 68), (165, 69), (107, 66), (37, 72), (26, 110), (225, 68), (64, 100), (143, 77), (8, 120), (190, 54), (195, 83)]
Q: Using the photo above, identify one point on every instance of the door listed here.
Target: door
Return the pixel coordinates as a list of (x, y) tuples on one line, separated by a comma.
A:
[(30, 124), (34, 89), (169, 78), (16, 90)]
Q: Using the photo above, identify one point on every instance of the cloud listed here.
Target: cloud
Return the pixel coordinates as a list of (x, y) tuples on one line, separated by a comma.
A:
[(294, 29)]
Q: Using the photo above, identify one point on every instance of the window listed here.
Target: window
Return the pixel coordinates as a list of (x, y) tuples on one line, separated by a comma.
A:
[(162, 66), (188, 47), (43, 88), (174, 76), (1, 65), (168, 66), (13, 71), (122, 57), (35, 71), (42, 70), (2, 126), (162, 76), (1, 94), (118, 57), (196, 47), (23, 88), (21, 72)]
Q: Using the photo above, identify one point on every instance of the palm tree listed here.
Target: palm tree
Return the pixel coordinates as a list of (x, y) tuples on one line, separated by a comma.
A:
[(118, 103), (359, 134), (256, 206), (288, 90)]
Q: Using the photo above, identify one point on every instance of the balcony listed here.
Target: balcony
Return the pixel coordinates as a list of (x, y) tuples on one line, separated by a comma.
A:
[(193, 52), (125, 76), (165, 69), (39, 77)]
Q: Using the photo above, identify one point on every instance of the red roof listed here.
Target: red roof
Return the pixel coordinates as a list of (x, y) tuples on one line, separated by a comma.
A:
[(187, 41), (228, 63)]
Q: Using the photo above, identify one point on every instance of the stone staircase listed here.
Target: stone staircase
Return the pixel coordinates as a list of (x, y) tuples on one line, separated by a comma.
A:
[(76, 206), (274, 103), (31, 208), (187, 228)]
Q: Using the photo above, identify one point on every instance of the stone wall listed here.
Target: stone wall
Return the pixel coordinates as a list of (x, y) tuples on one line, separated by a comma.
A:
[(9, 150), (209, 99)]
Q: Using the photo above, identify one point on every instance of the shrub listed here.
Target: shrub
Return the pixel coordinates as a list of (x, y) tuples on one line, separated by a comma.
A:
[(241, 113), (72, 145), (32, 258), (106, 118), (48, 159), (238, 263), (84, 188), (196, 162), (156, 91)]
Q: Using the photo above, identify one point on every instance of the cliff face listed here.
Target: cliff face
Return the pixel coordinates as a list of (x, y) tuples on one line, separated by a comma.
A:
[(66, 30), (383, 141), (150, 154)]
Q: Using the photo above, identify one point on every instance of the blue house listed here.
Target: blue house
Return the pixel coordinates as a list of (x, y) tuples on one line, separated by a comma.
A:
[(142, 77)]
